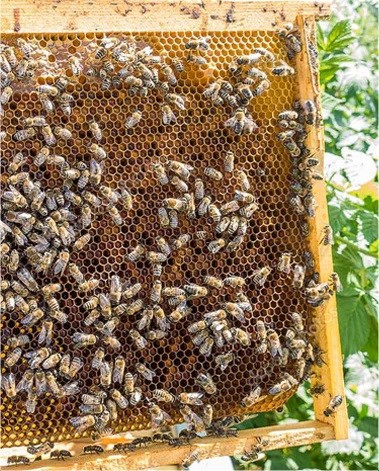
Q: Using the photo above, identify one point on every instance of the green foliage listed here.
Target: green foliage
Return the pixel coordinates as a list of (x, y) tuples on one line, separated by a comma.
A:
[(348, 57)]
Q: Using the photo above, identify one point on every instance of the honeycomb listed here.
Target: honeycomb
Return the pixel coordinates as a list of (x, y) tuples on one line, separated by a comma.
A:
[(199, 138)]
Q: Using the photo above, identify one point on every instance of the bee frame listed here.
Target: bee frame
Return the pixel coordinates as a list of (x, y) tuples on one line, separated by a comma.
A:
[(70, 17)]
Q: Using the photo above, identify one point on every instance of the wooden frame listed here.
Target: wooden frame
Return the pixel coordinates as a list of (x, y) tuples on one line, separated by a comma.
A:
[(71, 16)]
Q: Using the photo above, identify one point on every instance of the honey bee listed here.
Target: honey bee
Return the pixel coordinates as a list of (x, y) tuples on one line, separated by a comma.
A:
[(284, 264), (223, 361), (234, 281), (128, 309), (156, 257), (98, 151), (13, 357), (136, 253), (51, 361), (81, 242), (288, 115), (8, 383), (283, 70), (19, 341), (158, 416), (203, 207), (192, 419), (192, 458), (18, 160), (40, 382), (213, 174), (179, 184), (164, 217), (60, 455), (206, 382), (292, 147), (199, 189), (160, 173), (83, 423), (76, 65), (241, 336), (175, 99), (200, 43), (98, 358), (298, 276), (197, 326), (115, 215), (139, 341), (135, 396), (133, 120), (75, 366), (334, 403), (274, 342), (229, 207), (336, 282), (26, 382), (96, 171), (88, 285), (105, 374), (252, 398), (327, 238), (92, 317), (310, 112), (297, 321), (120, 400), (83, 340), (317, 390), (195, 291), (24, 134), (279, 388), (144, 371), (31, 402), (216, 245), (214, 282), (119, 369), (161, 395), (62, 133), (129, 383), (260, 275), (48, 136), (179, 313)]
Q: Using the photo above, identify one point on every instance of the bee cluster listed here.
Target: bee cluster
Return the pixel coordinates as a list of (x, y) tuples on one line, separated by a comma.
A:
[(147, 273), (248, 79)]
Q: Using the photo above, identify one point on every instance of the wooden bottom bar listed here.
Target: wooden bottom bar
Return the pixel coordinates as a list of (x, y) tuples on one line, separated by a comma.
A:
[(279, 436)]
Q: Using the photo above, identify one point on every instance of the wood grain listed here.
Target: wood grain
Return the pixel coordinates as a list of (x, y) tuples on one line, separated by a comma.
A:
[(327, 331), (162, 455), (56, 16)]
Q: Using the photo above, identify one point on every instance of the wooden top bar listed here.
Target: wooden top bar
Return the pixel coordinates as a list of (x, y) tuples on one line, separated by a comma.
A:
[(68, 16)]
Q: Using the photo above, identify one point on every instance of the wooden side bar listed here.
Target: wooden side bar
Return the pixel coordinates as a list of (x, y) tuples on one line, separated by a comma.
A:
[(327, 332), (56, 16), (279, 436)]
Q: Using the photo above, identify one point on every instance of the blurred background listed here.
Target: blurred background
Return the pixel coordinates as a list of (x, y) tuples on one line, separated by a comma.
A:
[(348, 54)]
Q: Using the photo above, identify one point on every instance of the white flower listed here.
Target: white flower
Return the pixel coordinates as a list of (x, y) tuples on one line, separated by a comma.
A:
[(352, 445)]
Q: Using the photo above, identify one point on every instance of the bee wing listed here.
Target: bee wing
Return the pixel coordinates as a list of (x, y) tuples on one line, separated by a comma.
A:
[(231, 122), (71, 389)]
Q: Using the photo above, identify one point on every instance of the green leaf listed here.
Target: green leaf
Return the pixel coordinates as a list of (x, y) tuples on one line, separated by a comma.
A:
[(340, 36), (354, 323), (352, 256), (369, 425), (337, 218), (370, 223), (371, 346)]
